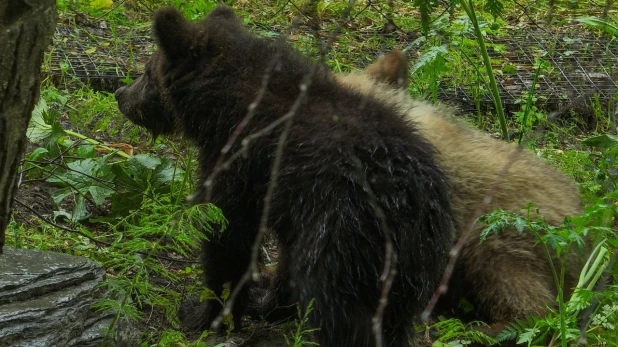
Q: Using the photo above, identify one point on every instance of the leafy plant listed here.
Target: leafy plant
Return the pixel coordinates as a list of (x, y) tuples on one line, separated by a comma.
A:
[(530, 114), (138, 175), (605, 172), (560, 325), (599, 23), (432, 62), (297, 338), (453, 333), (493, 86), (194, 10), (82, 179), (159, 227)]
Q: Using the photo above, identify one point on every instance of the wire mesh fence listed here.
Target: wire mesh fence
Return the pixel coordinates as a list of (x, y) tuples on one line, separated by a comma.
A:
[(98, 56), (581, 67)]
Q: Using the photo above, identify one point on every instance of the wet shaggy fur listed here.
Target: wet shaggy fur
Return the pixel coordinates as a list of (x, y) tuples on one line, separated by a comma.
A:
[(505, 277), (346, 161)]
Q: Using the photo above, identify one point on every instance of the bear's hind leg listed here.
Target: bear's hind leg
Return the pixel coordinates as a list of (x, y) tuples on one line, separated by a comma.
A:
[(346, 300), (508, 279)]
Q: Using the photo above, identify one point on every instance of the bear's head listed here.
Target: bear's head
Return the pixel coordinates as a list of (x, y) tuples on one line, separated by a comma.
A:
[(183, 47), (392, 69)]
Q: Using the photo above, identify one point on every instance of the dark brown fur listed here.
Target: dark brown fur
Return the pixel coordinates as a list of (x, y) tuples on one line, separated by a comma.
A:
[(200, 84)]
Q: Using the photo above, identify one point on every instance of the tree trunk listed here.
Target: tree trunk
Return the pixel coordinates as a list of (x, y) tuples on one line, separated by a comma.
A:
[(26, 28)]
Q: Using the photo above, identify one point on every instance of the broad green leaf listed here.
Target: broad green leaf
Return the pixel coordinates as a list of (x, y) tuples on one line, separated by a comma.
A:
[(164, 173), (38, 129), (600, 24), (61, 194), (137, 175), (86, 150), (62, 213), (79, 209), (99, 194), (509, 69), (430, 56), (84, 177), (37, 154), (44, 126), (145, 160)]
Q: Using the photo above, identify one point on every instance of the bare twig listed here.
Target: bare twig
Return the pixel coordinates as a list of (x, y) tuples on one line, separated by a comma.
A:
[(390, 258), (252, 271), (287, 119), (48, 221), (481, 210), (221, 163)]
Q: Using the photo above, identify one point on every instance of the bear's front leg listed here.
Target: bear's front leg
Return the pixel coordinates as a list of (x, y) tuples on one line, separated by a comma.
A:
[(225, 259)]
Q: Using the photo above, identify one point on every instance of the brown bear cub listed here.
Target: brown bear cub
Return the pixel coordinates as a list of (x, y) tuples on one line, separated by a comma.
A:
[(507, 276), (353, 175)]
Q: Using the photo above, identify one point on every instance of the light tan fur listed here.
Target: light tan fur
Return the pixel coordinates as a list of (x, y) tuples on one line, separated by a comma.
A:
[(507, 276)]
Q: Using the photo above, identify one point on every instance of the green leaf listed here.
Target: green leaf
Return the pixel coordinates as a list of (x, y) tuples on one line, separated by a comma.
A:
[(430, 57), (164, 173), (601, 141), (528, 336), (425, 7), (62, 213), (45, 127), (79, 209), (145, 160), (37, 154), (600, 24), (208, 294), (99, 194), (137, 175), (495, 7), (38, 129), (509, 69), (520, 224), (61, 194), (86, 151), (84, 177)]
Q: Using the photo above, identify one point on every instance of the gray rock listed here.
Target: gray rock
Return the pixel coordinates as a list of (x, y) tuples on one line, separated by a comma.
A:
[(46, 298)]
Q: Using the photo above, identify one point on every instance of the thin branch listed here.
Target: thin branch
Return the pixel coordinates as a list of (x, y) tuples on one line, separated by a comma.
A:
[(252, 270), (390, 258), (287, 119)]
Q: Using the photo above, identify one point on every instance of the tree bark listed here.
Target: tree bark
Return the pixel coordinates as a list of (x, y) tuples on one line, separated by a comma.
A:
[(26, 28)]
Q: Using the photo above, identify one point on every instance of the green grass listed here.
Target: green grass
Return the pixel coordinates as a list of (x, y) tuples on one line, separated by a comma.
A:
[(134, 245)]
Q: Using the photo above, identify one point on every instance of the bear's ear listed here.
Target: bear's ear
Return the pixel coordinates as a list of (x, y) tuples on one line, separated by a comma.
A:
[(391, 69), (224, 12), (174, 34)]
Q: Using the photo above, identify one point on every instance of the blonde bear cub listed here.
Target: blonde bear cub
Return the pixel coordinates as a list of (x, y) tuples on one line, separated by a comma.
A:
[(505, 277)]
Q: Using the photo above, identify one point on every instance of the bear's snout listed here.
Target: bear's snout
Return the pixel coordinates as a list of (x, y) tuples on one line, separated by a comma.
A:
[(119, 91)]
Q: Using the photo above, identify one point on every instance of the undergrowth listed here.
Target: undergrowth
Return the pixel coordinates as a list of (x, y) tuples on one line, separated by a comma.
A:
[(118, 197)]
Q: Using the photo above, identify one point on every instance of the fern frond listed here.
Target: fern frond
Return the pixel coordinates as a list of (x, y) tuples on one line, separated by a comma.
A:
[(425, 7), (495, 7)]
